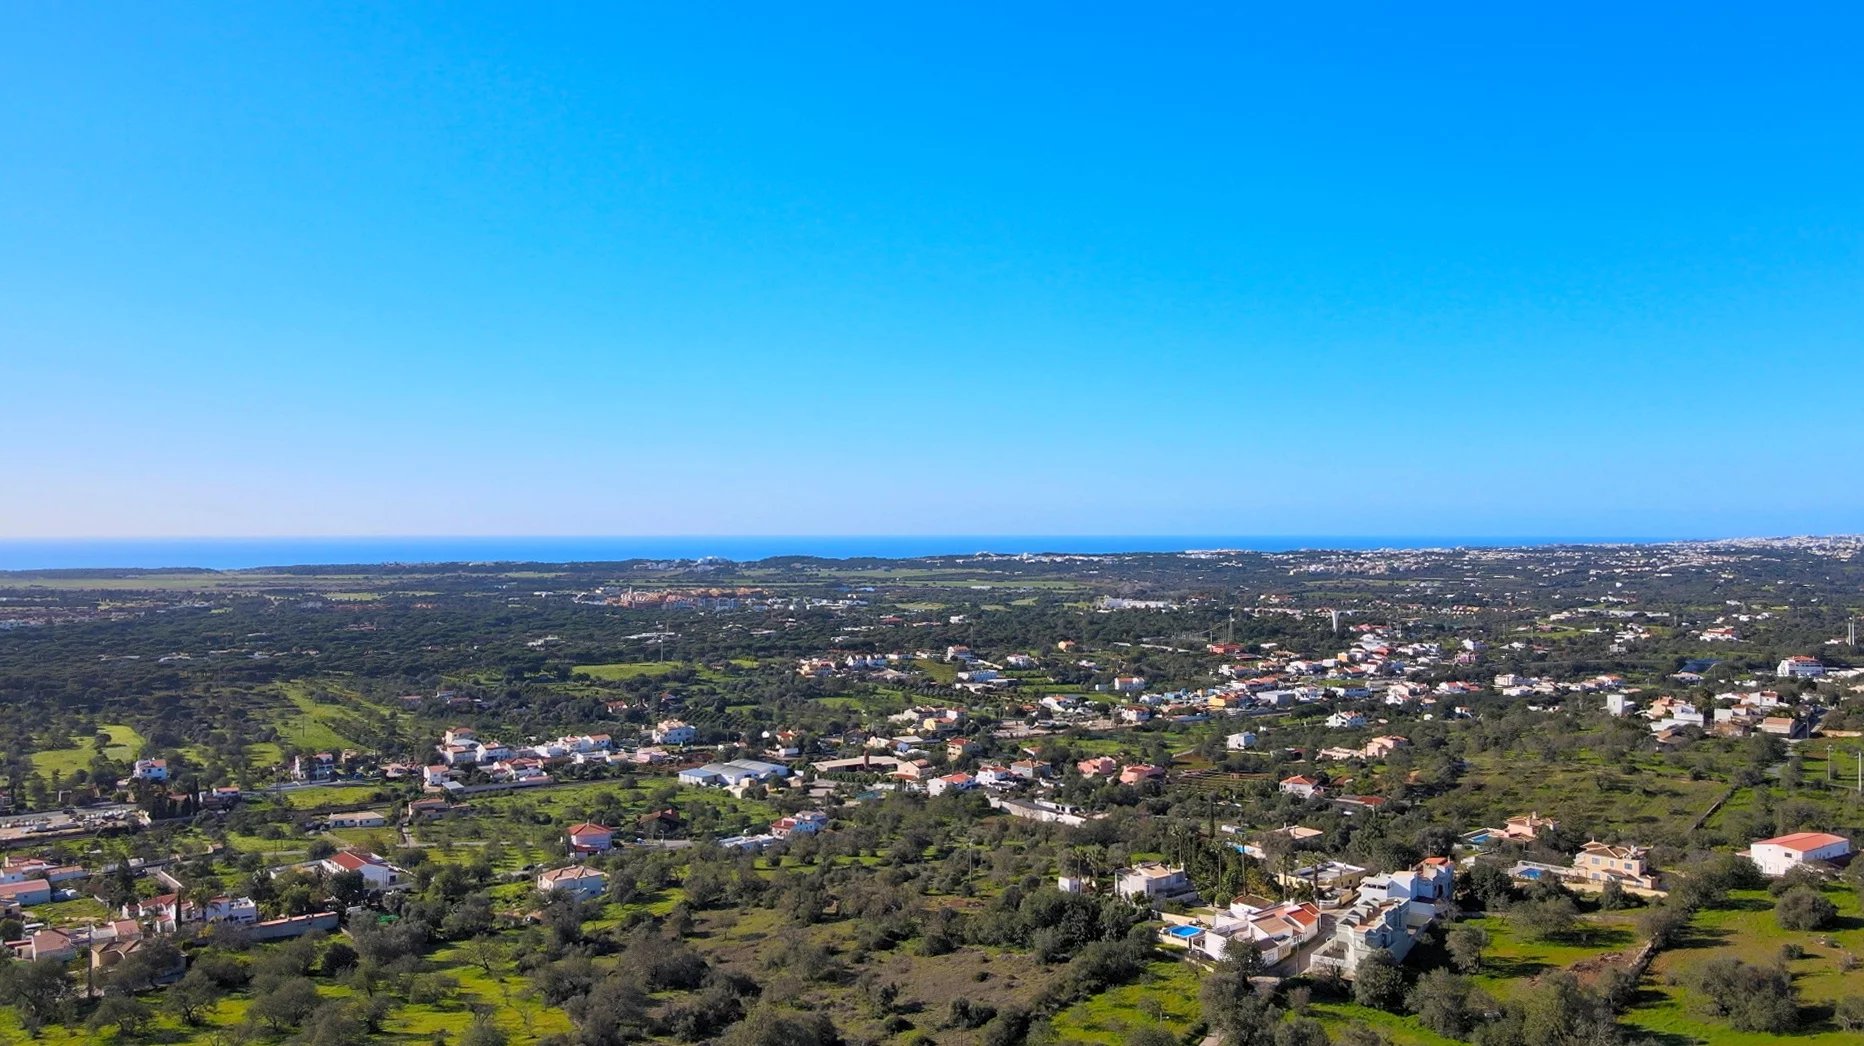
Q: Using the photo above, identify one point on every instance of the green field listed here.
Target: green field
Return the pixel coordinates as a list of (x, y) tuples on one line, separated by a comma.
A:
[(125, 744), (1401, 1031), (309, 724), (642, 669), (1512, 960), (1749, 932), (333, 797), (1165, 996), (1642, 796)]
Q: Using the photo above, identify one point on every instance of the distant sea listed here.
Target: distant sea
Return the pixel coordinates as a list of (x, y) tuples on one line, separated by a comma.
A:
[(244, 553)]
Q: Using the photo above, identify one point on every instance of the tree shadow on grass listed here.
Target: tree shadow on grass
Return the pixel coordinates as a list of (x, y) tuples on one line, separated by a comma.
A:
[(1667, 1038), (1511, 968), (1845, 922), (1602, 937), (1700, 937)]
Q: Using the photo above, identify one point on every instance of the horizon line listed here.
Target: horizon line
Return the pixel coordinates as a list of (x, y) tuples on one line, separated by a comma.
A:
[(867, 535)]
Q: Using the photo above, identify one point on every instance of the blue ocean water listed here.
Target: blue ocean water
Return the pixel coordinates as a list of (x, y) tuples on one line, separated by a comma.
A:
[(242, 553)]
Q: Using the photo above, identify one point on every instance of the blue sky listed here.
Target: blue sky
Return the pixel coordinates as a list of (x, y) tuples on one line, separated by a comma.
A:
[(462, 269)]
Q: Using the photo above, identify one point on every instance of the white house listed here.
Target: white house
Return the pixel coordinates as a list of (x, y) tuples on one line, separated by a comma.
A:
[(377, 874), (1364, 928), (243, 911), (1301, 785), (994, 776), (1424, 887), (1240, 741), (1346, 720), (591, 838), (319, 766), (1275, 932), (1151, 881), (359, 819), (1800, 667), (24, 893), (575, 880), (805, 822), (1781, 854), (951, 783), (150, 770), (673, 732)]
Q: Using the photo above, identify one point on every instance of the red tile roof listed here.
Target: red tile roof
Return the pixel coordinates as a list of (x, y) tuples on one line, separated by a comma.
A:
[(1803, 841)]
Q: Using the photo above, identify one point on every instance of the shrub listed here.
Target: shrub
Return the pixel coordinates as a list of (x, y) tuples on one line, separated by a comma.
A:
[(1748, 997), (1804, 908)]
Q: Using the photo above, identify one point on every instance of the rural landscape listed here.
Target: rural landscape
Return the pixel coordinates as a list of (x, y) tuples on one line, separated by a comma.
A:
[(961, 524), (1561, 794)]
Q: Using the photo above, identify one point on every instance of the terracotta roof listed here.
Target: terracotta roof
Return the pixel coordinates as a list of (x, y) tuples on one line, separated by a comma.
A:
[(354, 861), (1803, 841)]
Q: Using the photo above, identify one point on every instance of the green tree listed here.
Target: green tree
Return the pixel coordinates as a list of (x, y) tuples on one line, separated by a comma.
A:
[(1748, 997), (1444, 1003), (1804, 908), (1465, 944), (286, 1005), (1663, 923), (1232, 1007), (1546, 919), (193, 995), (482, 1032), (40, 990), (126, 1013), (1300, 1031), (1378, 982)]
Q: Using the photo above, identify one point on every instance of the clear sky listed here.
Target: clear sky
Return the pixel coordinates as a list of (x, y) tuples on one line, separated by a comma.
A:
[(296, 269)]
